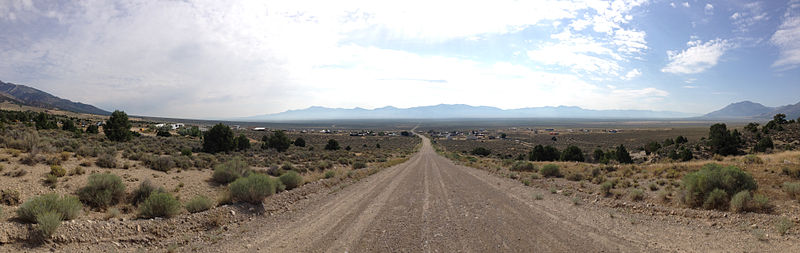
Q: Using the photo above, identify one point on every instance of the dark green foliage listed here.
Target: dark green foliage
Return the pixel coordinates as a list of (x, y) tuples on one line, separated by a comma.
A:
[(503, 135), (572, 153), (481, 151), (550, 170), (722, 141), (544, 153), (117, 127), (92, 129), (332, 145), (68, 207), (622, 155), (668, 142), (145, 189), (348, 148), (599, 155), (278, 141), (218, 139), (291, 179), (43, 121), (106, 161), (159, 204), (685, 154), (242, 143), (163, 131), (673, 155), (697, 186), (751, 127), (68, 125), (199, 204), (231, 170), (102, 190), (763, 144), (253, 188), (652, 147), (405, 133), (300, 142), (681, 140)]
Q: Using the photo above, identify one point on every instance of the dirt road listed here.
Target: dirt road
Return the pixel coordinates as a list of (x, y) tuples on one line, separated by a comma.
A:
[(428, 204)]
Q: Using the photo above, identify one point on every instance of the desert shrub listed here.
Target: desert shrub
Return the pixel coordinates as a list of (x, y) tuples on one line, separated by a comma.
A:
[(199, 204), (77, 171), (57, 171), (330, 174), (763, 145), (117, 127), (229, 171), (323, 165), (605, 188), (102, 190), (783, 225), (161, 163), (218, 139), (146, 188), (112, 213), (186, 152), (792, 189), (622, 155), (637, 195), (792, 172), (159, 204), (698, 186), (761, 204), (716, 199), (481, 151), (544, 153), (50, 180), (278, 141), (9, 197), (300, 142), (359, 165), (523, 166), (752, 159), (653, 187), (575, 177), (106, 161), (48, 223), (741, 202), (332, 145), (87, 151), (572, 153), (291, 180), (241, 142), (550, 170), (253, 188), (92, 129), (67, 206)]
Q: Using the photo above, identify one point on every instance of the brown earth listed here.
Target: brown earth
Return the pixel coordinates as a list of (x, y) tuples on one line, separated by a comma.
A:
[(429, 204)]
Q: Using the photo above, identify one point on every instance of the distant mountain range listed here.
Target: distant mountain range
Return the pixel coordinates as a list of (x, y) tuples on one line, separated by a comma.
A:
[(24, 95), (445, 111), (755, 111)]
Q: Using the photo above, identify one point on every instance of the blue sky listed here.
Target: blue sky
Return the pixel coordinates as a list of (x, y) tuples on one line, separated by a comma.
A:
[(222, 59)]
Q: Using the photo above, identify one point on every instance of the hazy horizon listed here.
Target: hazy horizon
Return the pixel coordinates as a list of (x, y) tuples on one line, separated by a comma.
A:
[(210, 59)]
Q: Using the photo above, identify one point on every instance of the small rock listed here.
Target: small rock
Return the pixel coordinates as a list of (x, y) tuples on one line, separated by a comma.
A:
[(233, 212), (138, 228), (116, 244), (754, 226), (248, 246)]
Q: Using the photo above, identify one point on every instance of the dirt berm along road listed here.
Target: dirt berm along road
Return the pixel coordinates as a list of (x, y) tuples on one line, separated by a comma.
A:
[(428, 204)]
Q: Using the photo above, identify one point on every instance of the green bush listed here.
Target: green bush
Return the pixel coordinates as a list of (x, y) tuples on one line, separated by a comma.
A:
[(278, 141), (159, 204), (717, 199), (145, 189), (67, 206), (606, 187), (117, 127), (300, 142), (57, 171), (330, 174), (523, 166), (481, 151), (253, 188), (698, 186), (230, 171), (291, 180), (242, 143), (332, 145), (199, 204), (106, 161), (637, 195), (102, 190), (161, 163), (218, 139), (741, 202), (550, 170), (48, 223), (572, 153), (359, 165)]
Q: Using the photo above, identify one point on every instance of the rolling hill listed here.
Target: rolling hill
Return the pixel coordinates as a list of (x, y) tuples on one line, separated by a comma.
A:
[(755, 111), (25, 95)]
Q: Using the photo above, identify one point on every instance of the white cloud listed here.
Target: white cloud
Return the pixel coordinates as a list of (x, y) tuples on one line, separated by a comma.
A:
[(751, 14), (690, 86), (786, 38), (672, 4), (632, 74), (709, 9), (685, 4), (697, 58)]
